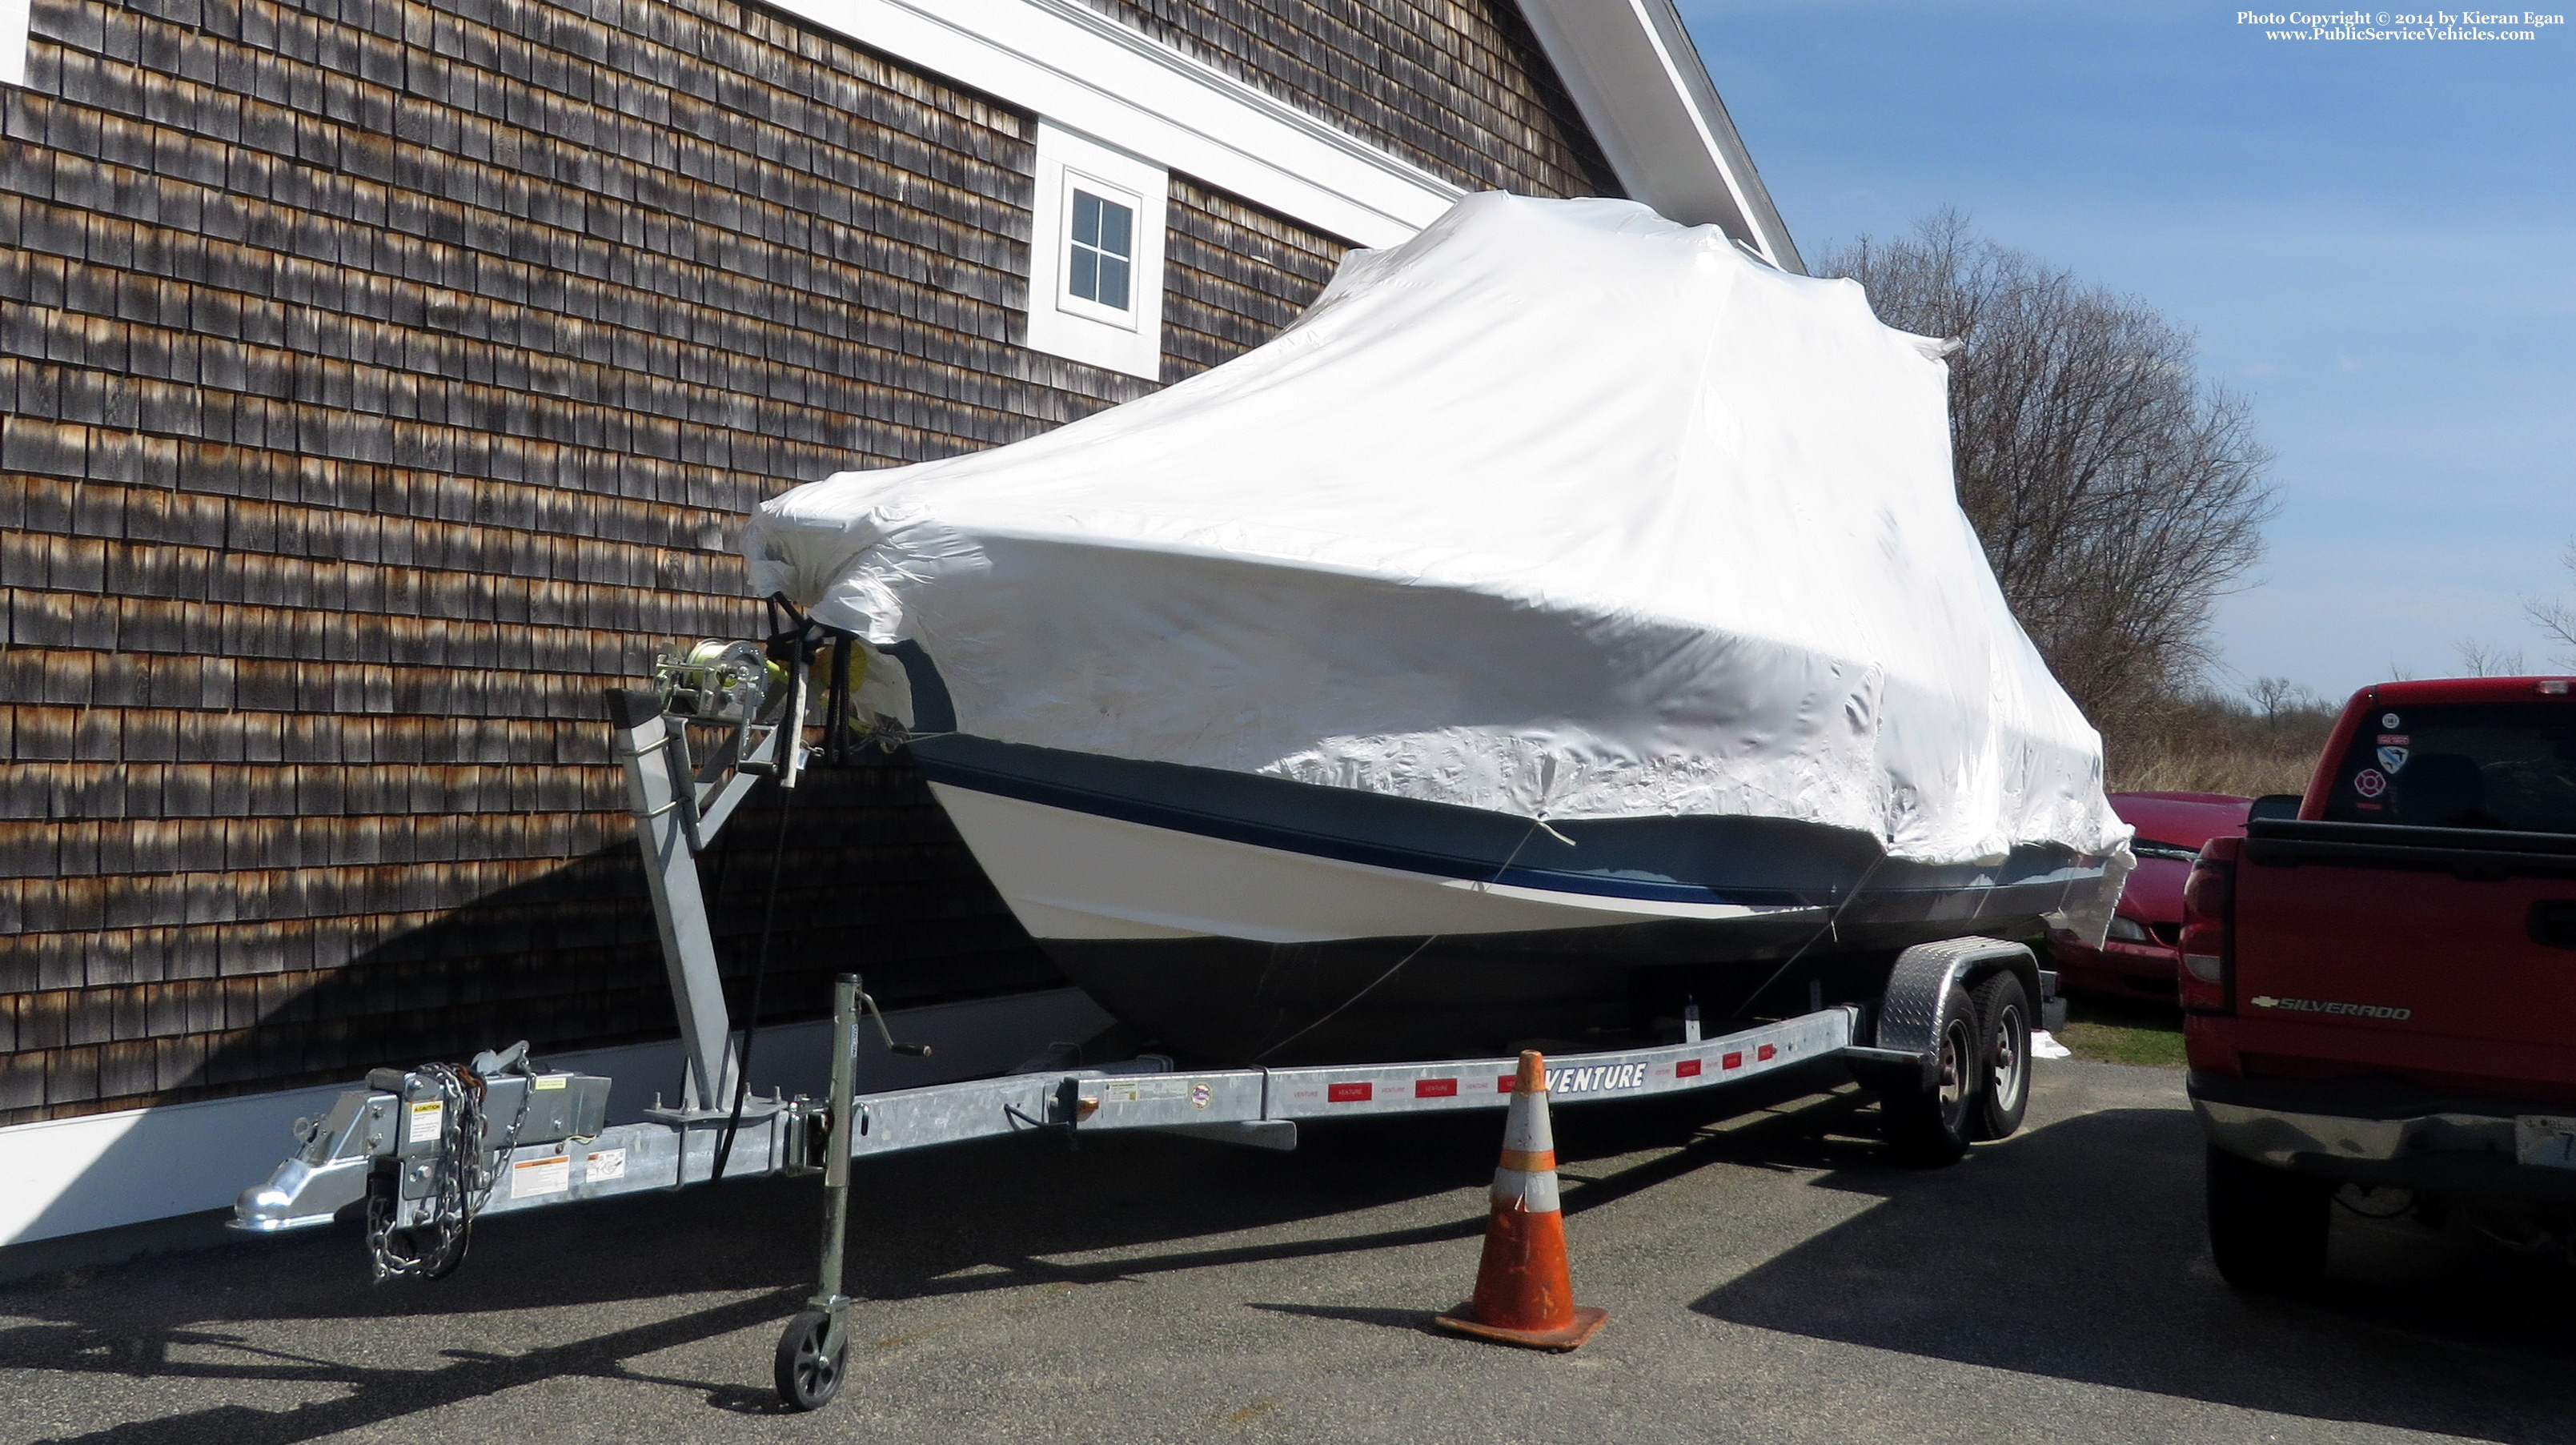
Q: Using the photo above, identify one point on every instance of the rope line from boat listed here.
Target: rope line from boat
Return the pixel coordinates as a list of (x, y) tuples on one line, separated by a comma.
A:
[(800, 641), (1536, 823), (1823, 931)]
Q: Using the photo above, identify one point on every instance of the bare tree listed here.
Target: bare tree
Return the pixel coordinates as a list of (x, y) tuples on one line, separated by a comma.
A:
[(2477, 659), (2119, 496), (2556, 616), (2274, 697)]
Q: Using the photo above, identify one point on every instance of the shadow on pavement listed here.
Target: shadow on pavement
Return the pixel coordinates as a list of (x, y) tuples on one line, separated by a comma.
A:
[(971, 1220), (2076, 1252)]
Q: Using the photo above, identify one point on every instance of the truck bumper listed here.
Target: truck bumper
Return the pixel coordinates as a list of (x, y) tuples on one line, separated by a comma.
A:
[(2387, 1134)]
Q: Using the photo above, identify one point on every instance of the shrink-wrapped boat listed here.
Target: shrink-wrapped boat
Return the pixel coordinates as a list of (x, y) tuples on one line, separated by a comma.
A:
[(1569, 615)]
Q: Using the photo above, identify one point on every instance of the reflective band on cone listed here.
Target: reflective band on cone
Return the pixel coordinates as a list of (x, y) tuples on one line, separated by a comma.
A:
[(1524, 1290)]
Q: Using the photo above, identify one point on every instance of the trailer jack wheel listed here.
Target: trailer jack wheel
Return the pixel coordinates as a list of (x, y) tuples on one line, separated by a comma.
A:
[(811, 1354)]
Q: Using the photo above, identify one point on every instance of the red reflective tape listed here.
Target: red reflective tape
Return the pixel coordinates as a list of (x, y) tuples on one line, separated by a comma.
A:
[(1504, 1084), (1435, 1088), (1686, 1069), (1351, 1093), (1766, 1052), (1734, 1061)]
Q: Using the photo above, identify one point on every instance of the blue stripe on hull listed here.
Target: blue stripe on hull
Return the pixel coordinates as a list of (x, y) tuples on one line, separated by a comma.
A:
[(1757, 862)]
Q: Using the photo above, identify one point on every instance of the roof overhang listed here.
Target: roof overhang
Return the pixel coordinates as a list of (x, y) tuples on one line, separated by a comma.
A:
[(1632, 70), (1629, 65), (1086, 72)]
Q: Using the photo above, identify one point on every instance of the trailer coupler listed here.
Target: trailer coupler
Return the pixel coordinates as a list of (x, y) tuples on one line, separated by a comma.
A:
[(422, 1141)]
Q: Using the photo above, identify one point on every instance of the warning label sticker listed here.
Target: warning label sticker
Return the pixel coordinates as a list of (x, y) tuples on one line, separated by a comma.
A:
[(604, 1165), (427, 1121), (530, 1177), (1137, 1091)]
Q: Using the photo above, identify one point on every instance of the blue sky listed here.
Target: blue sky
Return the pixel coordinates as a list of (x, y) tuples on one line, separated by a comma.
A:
[(2377, 240)]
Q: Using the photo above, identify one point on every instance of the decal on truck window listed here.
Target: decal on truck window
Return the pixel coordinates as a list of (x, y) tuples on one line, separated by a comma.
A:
[(2507, 764)]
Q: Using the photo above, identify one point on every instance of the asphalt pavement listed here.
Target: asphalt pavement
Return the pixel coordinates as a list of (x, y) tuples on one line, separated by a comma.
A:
[(1770, 1277)]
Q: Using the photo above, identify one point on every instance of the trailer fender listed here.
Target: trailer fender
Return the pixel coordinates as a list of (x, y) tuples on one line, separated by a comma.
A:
[(1910, 1007)]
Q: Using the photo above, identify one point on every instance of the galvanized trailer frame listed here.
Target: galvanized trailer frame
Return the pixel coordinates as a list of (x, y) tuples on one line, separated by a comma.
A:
[(1257, 1106), (371, 1140)]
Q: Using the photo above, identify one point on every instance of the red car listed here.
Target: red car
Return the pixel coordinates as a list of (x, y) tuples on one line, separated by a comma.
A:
[(2144, 948)]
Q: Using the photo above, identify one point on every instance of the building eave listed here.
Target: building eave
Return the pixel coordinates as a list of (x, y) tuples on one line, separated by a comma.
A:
[(1634, 73), (1083, 70)]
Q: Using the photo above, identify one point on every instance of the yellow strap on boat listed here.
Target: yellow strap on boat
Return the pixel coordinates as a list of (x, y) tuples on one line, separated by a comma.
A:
[(854, 673)]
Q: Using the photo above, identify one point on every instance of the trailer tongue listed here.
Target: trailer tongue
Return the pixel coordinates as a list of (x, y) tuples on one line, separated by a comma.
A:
[(428, 1151)]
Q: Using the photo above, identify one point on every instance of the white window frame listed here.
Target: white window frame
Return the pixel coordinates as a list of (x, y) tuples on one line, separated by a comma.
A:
[(1077, 184), (1066, 325)]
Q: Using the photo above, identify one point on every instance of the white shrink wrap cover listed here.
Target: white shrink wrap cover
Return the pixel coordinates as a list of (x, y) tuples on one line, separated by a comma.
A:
[(1559, 509)]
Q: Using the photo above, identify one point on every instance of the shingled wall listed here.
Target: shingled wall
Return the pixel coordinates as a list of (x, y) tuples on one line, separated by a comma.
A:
[(380, 380), (1459, 87)]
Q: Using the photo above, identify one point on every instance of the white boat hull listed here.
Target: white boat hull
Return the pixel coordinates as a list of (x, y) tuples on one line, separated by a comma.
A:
[(1075, 875), (1236, 917)]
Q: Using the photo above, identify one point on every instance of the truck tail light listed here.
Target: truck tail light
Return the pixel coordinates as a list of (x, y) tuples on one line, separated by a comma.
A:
[(2208, 975)]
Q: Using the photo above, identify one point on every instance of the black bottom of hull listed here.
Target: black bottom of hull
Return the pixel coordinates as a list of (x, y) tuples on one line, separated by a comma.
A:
[(1229, 1001)]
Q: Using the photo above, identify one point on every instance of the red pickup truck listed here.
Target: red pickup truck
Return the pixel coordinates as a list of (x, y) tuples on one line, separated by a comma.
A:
[(2379, 986)]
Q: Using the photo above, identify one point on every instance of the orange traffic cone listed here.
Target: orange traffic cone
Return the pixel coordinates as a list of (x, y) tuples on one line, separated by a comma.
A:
[(1524, 1293)]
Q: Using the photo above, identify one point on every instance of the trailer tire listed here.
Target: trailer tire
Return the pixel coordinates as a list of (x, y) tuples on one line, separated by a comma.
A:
[(2267, 1226), (1929, 1123), (812, 1357), (2003, 1018)]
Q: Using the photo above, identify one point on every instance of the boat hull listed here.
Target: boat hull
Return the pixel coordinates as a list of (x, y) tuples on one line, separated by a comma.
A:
[(1242, 919)]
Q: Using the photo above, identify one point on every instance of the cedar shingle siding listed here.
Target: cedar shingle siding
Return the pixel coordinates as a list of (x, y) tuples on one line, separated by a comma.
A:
[(1458, 87), (381, 381)]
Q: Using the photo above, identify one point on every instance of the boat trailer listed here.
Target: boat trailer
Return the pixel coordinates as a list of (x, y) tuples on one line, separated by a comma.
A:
[(429, 1151)]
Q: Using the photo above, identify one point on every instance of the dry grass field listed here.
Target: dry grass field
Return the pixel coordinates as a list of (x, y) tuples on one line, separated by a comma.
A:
[(2212, 744)]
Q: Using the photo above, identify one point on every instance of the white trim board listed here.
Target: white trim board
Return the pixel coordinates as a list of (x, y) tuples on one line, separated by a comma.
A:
[(1633, 72), (14, 20), (68, 1176), (1629, 65), (1083, 70)]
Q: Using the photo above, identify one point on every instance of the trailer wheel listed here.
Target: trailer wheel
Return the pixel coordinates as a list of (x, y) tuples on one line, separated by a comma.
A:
[(1930, 1122), (811, 1354), (2003, 1013), (2267, 1226)]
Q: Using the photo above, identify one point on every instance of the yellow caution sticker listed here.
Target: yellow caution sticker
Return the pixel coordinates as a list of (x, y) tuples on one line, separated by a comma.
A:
[(428, 1121)]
